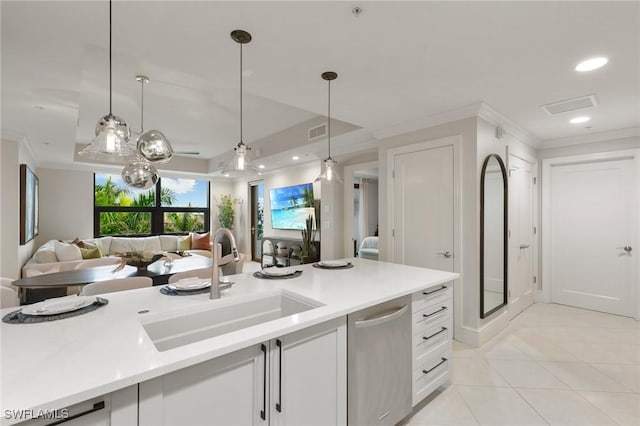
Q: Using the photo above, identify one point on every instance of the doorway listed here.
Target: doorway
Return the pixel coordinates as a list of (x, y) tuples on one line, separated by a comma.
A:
[(365, 206), (590, 237), (522, 233), (257, 219)]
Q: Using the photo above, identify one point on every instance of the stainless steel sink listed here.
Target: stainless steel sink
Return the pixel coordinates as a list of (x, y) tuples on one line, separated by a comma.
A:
[(174, 330)]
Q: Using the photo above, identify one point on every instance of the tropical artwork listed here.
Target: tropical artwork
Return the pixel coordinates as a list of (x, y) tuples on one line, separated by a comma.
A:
[(291, 205), (129, 219)]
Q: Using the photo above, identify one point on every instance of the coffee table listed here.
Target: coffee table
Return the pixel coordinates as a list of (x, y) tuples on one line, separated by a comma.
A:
[(156, 271)]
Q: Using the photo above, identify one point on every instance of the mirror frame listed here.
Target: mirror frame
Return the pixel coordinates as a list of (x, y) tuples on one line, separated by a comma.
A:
[(505, 231)]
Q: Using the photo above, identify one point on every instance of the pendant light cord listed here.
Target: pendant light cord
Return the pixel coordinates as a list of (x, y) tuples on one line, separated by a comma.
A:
[(241, 141), (142, 106), (329, 121), (110, 70)]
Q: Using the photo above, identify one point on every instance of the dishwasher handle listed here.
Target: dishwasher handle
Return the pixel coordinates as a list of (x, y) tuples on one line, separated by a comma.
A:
[(382, 317)]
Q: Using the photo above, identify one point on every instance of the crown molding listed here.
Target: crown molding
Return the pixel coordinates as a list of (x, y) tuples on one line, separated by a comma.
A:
[(488, 113), (592, 138)]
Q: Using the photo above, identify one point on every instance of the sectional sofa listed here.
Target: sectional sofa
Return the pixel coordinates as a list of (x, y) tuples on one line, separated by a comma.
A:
[(55, 256)]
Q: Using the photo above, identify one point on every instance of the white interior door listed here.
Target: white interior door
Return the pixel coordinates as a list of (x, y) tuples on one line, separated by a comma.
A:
[(591, 223), (423, 213), (521, 241)]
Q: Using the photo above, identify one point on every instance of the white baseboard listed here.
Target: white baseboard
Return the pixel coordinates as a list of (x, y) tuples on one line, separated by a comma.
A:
[(477, 337)]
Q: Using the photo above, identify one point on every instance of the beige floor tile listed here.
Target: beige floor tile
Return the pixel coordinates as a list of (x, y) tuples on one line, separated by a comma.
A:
[(474, 372), (499, 406), (624, 408), (541, 348), (628, 375), (608, 353), (505, 348), (526, 374), (446, 408), (561, 407), (583, 377), (461, 350)]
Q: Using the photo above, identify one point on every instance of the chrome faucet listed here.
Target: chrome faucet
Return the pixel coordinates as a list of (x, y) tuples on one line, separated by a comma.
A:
[(215, 270)]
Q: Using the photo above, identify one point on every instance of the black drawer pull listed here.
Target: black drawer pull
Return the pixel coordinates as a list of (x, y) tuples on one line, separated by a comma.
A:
[(96, 407), (427, 293), (435, 366), (263, 412), (444, 308), (435, 334)]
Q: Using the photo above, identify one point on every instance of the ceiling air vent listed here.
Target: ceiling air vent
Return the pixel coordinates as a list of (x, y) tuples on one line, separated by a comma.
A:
[(582, 102), (318, 131)]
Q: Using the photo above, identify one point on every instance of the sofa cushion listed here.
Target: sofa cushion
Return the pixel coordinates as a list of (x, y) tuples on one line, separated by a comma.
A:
[(104, 243), (46, 253), (184, 242), (168, 242), (120, 245), (66, 251), (146, 244), (200, 241), (35, 272)]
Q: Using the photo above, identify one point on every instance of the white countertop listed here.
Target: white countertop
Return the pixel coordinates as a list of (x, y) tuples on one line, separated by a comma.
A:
[(55, 364)]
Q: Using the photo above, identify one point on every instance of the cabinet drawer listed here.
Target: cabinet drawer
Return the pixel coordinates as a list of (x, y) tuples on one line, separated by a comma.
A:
[(432, 339), (429, 297), (430, 374), (428, 317)]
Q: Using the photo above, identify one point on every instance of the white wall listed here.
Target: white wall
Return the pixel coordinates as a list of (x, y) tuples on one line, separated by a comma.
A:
[(10, 209), (66, 204)]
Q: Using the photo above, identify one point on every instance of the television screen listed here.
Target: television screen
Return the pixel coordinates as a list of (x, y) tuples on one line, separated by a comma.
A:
[(291, 205)]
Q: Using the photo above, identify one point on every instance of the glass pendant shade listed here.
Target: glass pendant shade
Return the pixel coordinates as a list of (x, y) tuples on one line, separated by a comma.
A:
[(154, 146), (329, 173), (110, 144), (140, 174), (240, 164)]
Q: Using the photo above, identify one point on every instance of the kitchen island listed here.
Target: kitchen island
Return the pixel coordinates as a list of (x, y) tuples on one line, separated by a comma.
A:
[(60, 363)]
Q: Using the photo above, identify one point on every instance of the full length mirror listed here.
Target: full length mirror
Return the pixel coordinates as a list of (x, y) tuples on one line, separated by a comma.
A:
[(493, 236)]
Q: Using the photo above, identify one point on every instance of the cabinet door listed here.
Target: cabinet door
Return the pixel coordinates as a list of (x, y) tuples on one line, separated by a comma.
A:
[(309, 376), (229, 390)]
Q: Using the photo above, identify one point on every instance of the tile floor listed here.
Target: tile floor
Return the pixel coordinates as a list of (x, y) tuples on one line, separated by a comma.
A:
[(553, 365)]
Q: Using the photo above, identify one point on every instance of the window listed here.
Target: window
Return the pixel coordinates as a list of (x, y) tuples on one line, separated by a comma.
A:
[(173, 206)]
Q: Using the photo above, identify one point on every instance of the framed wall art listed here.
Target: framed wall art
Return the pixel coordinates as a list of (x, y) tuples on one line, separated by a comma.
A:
[(29, 189)]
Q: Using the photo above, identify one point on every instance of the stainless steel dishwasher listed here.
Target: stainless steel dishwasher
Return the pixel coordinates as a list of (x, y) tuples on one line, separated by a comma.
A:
[(379, 353)]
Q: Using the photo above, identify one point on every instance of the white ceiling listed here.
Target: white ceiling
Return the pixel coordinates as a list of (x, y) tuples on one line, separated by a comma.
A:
[(397, 62)]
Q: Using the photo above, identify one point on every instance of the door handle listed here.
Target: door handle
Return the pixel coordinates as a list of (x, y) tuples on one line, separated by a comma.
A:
[(263, 412), (446, 254), (384, 317), (279, 403), (524, 246), (626, 248)]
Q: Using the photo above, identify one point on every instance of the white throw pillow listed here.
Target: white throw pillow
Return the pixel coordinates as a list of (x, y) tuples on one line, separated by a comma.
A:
[(120, 245), (66, 252)]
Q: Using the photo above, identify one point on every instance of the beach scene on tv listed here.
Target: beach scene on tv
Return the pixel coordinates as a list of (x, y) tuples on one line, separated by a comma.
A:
[(291, 205)]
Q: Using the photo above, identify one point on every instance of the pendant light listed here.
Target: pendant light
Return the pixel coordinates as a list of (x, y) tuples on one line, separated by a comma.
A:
[(329, 174), (241, 163), (141, 173), (112, 133)]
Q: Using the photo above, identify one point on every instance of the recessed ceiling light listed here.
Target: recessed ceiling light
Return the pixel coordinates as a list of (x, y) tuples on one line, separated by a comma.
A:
[(592, 64), (226, 175), (578, 120), (261, 166), (295, 158)]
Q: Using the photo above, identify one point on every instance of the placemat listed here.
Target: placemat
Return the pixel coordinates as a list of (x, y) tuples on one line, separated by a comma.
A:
[(17, 317), (259, 274), (350, 265)]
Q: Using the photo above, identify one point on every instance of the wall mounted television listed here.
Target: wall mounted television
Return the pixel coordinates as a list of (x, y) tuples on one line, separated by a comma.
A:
[(291, 205)]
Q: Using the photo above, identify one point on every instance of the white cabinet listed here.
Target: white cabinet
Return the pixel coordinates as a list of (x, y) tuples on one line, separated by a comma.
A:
[(117, 408), (296, 379), (432, 333)]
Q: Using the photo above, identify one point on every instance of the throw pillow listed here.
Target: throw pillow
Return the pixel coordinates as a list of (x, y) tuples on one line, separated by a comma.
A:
[(200, 241), (66, 252), (45, 256), (184, 242), (90, 252)]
